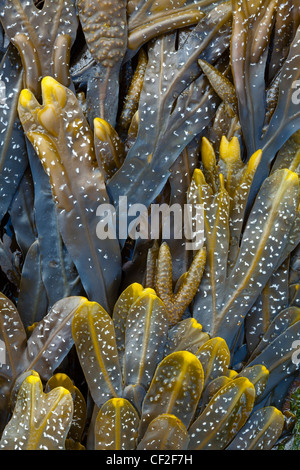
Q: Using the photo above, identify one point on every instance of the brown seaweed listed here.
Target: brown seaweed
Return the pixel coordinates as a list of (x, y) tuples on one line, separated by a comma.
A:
[(105, 31), (43, 38), (251, 37), (60, 133), (118, 342), (164, 95)]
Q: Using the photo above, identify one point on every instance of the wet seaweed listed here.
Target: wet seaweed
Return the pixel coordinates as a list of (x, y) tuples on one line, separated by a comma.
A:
[(115, 336)]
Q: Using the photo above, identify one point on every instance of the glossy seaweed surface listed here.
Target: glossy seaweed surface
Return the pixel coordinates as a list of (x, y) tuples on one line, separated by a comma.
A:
[(117, 334)]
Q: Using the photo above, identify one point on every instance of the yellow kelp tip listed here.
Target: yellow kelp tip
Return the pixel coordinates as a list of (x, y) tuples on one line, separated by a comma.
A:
[(53, 92), (25, 98), (230, 151)]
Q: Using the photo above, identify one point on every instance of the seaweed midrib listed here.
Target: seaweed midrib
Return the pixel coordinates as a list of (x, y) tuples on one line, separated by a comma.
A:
[(85, 224), (98, 355), (259, 251), (50, 339)]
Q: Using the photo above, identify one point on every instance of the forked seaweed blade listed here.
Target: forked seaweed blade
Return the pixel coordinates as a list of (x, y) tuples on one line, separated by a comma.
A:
[(43, 37), (40, 421), (116, 426), (14, 338), (60, 134), (265, 239)]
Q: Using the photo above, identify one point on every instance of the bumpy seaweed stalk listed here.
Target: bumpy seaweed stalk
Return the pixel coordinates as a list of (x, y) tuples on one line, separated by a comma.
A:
[(232, 283), (105, 28), (221, 84), (131, 100), (63, 140), (173, 103), (40, 421), (176, 303)]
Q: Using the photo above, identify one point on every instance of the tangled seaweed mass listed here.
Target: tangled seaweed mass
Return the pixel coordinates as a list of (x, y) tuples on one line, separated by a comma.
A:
[(117, 331)]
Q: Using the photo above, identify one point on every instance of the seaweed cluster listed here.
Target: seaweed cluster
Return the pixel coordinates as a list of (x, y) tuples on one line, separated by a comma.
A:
[(113, 335)]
